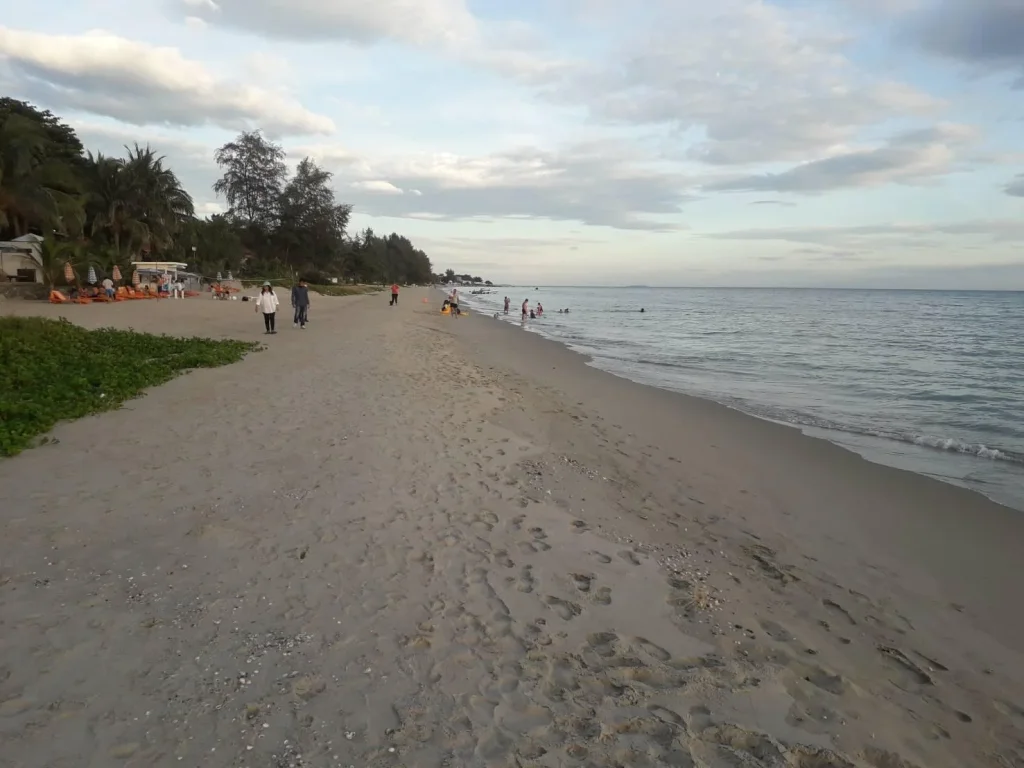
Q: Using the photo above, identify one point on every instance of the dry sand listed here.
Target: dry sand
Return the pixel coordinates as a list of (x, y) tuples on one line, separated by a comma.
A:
[(397, 539)]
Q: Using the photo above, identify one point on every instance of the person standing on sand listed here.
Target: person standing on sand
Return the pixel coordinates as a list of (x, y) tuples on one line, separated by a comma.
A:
[(394, 294), (453, 303), (267, 304), (300, 302), (526, 308)]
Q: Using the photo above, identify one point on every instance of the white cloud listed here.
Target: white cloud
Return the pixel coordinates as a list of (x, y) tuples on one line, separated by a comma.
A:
[(1016, 187), (378, 187), (195, 23), (751, 81), (908, 158), (110, 75), (445, 26), (603, 183), (897, 235)]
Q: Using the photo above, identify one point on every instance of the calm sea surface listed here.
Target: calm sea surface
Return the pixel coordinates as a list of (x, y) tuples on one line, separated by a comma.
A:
[(930, 381)]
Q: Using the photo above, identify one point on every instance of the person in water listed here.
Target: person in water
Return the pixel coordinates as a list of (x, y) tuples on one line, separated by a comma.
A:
[(507, 302), (526, 308), (540, 309)]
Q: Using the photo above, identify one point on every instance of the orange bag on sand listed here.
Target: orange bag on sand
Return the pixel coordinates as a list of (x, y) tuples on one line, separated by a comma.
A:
[(56, 297)]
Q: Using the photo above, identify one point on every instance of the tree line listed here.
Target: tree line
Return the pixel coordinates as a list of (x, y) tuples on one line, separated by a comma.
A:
[(109, 211)]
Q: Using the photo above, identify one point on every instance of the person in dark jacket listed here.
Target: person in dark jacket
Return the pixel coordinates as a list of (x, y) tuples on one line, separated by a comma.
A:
[(300, 302)]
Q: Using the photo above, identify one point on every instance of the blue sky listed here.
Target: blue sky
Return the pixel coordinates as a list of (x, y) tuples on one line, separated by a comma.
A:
[(741, 142)]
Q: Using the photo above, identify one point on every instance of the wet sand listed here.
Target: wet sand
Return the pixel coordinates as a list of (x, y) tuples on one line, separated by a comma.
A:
[(397, 539)]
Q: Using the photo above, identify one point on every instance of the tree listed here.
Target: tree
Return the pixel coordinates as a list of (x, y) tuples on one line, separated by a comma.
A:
[(312, 225), (37, 188), (253, 180), (218, 246), (63, 143), (135, 204), (106, 211), (53, 255)]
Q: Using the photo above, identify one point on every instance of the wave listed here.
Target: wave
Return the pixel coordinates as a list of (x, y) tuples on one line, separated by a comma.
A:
[(933, 442)]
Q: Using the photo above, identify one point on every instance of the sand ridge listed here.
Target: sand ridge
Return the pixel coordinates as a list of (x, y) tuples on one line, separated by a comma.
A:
[(392, 553)]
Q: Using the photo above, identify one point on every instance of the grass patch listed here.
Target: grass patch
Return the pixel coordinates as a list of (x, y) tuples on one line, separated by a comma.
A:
[(52, 371)]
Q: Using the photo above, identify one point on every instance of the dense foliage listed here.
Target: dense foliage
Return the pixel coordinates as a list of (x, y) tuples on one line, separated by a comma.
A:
[(51, 371), (107, 211)]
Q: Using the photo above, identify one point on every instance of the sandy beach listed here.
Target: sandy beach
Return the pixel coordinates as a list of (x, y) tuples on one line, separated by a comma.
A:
[(397, 539)]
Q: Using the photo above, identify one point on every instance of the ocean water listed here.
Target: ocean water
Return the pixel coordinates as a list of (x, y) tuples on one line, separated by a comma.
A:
[(929, 381)]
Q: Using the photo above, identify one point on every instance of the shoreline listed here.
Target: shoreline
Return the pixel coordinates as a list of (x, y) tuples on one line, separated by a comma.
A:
[(399, 538), (918, 456), (753, 440)]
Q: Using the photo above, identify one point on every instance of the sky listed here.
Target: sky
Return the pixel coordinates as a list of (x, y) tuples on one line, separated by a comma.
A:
[(835, 143)]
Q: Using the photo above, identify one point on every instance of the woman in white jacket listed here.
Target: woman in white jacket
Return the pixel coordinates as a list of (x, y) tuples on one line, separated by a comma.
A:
[(267, 304)]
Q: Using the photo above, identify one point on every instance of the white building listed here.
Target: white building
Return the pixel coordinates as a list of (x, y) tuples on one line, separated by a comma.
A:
[(20, 259)]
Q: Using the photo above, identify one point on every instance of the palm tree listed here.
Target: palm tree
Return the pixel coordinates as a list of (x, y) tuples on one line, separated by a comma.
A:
[(54, 254), (160, 203), (36, 191), (136, 203)]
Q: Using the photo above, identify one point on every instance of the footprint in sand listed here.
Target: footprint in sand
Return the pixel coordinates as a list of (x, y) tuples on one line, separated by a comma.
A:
[(776, 631), (601, 557), (526, 582), (582, 581), (603, 596), (909, 672), (629, 556), (837, 608), (566, 609)]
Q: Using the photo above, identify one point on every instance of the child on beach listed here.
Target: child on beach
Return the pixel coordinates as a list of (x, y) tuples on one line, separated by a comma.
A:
[(267, 303)]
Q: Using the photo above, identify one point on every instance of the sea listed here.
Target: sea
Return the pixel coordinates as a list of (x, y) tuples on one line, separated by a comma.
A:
[(927, 381)]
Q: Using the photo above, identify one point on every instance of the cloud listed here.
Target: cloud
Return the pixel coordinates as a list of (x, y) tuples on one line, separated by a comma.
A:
[(987, 34), (1016, 187), (873, 236), (740, 81), (600, 183), (907, 158), (782, 203), (139, 84), (444, 26), (379, 187)]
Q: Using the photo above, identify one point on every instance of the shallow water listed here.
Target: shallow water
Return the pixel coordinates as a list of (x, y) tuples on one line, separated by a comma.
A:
[(930, 381)]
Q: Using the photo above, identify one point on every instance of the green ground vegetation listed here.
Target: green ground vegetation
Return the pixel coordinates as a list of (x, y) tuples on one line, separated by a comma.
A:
[(53, 371)]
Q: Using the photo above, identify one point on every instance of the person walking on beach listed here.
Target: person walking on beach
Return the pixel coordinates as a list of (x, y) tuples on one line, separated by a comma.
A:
[(453, 303), (394, 294), (300, 303), (507, 302), (526, 309), (267, 304)]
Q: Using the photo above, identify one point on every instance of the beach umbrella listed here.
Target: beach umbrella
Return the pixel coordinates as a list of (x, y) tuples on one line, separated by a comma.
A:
[(69, 272), (219, 278), (116, 274), (230, 277), (135, 277), (91, 279)]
